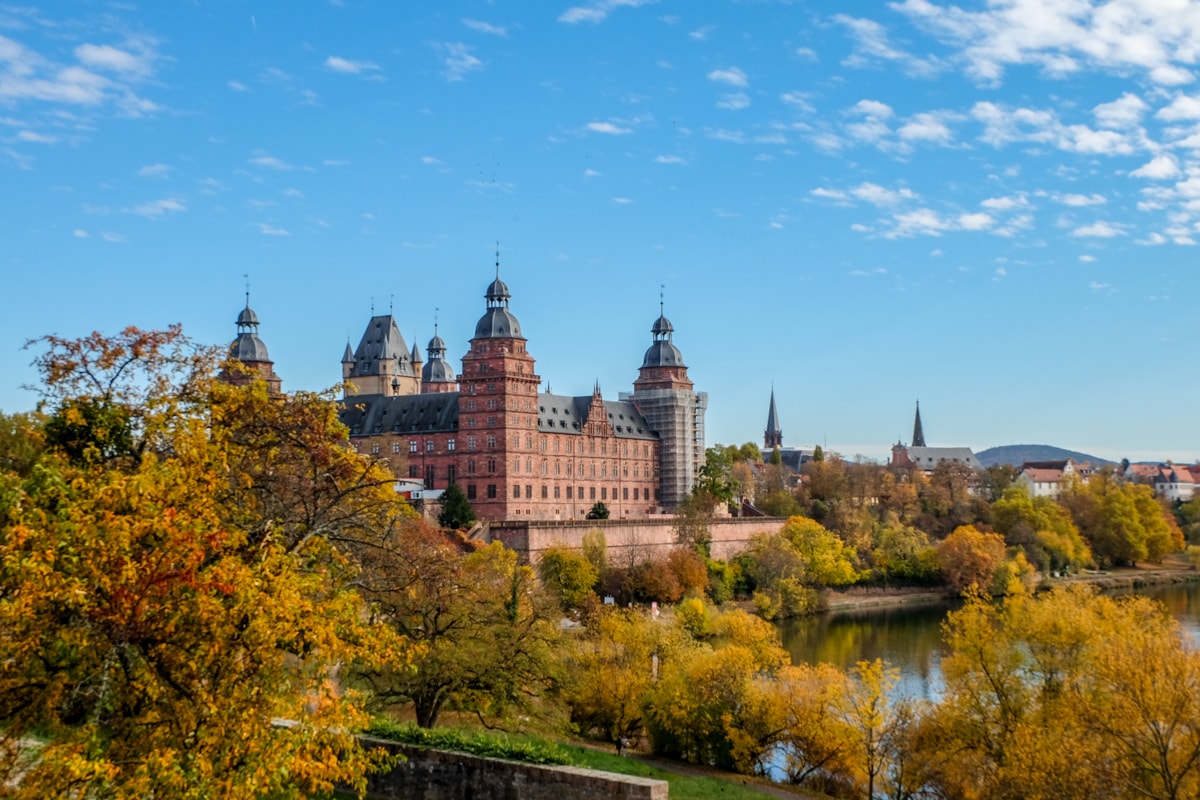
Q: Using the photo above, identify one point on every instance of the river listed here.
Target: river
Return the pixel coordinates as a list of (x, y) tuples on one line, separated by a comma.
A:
[(910, 638)]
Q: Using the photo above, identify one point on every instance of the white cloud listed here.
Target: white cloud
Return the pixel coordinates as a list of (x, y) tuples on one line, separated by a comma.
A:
[(33, 137), (336, 162), (1160, 167), (1086, 259), (608, 127), (872, 44), (486, 27), (1181, 108), (270, 162), (701, 34), (157, 208), (829, 194), (597, 11), (1102, 230), (806, 53), (926, 127), (1124, 112), (734, 102), (1066, 36), (879, 196), (154, 171), (974, 222), (799, 100), (670, 159), (348, 67), (732, 76), (622, 201), (237, 86), (430, 160), (1005, 203), (270, 230), (591, 173), (1000, 272), (112, 238), (872, 108), (459, 61), (1153, 240), (80, 233), (111, 59), (1079, 200)]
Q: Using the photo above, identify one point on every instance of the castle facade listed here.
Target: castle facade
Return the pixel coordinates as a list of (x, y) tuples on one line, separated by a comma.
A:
[(520, 453)]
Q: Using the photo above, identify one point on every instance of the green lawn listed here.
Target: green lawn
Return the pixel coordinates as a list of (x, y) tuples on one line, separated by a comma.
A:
[(683, 787)]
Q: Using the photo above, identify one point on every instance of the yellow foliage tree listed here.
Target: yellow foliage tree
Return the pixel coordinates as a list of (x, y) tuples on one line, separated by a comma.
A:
[(969, 557), (160, 605)]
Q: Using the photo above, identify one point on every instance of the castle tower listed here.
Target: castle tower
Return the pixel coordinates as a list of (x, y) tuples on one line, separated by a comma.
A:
[(665, 396), (415, 358), (382, 363), (252, 353), (497, 400), (773, 436), (437, 375), (918, 439)]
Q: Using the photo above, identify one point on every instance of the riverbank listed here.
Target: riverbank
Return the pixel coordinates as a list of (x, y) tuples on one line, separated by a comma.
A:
[(1173, 570)]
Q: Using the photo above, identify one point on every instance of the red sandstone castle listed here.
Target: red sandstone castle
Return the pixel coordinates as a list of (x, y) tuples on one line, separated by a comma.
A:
[(518, 453)]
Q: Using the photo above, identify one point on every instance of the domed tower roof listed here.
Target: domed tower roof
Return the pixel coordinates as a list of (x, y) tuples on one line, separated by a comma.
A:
[(662, 353), (497, 321), (435, 344), (247, 347)]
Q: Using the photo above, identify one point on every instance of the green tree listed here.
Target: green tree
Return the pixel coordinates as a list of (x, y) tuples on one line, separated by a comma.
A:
[(598, 511), (456, 512), (568, 575), (827, 560)]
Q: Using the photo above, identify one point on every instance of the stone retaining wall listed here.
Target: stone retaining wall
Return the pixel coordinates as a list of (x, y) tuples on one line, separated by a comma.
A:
[(442, 775), (628, 541)]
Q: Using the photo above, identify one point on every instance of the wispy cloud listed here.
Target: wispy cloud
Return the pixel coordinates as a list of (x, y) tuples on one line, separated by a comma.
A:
[(154, 171), (873, 45), (270, 162), (597, 11), (669, 159), (1101, 230), (271, 230), (158, 208), (734, 102), (486, 27), (608, 127), (459, 61), (349, 67), (731, 76)]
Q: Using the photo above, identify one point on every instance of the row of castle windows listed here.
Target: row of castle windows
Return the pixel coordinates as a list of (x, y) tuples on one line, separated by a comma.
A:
[(572, 492), (558, 470)]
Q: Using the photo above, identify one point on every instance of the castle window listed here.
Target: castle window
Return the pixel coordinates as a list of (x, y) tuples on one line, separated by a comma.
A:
[(471, 467), (491, 387), (412, 470), (492, 421), (556, 493), (570, 465), (557, 443), (451, 473), (529, 465), (528, 442), (614, 493), (635, 493), (491, 465), (429, 473), (604, 470), (625, 493), (470, 491), (569, 488), (491, 490), (412, 445), (491, 403), (470, 442), (470, 405), (470, 422), (545, 466), (375, 447), (429, 445), (625, 449), (528, 491), (557, 468), (635, 471), (604, 447), (395, 447), (579, 492), (491, 441), (450, 445), (516, 492), (592, 470), (592, 446), (543, 444), (603, 492), (624, 470), (516, 465), (545, 492), (570, 446)]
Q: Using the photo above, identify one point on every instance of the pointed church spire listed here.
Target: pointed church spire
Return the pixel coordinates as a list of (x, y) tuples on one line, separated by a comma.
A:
[(918, 439), (773, 436)]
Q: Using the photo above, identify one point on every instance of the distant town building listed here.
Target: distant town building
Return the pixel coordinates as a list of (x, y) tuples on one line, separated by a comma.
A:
[(792, 457), (1049, 478), (928, 458), (1172, 482)]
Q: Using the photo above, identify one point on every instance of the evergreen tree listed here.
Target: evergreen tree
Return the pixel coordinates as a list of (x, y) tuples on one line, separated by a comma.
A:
[(456, 508), (599, 511)]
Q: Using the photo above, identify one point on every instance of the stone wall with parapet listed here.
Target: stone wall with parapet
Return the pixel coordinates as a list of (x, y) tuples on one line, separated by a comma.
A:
[(628, 541), (441, 775)]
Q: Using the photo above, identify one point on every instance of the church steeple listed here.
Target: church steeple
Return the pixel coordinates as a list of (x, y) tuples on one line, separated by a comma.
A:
[(918, 439), (773, 436)]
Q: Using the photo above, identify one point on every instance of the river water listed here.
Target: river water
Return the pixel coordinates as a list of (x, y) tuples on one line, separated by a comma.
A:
[(910, 638)]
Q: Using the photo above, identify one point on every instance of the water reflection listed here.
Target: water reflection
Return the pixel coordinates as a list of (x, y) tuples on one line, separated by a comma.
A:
[(911, 638)]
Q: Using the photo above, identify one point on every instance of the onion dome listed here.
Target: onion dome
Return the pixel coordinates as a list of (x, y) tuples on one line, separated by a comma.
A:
[(663, 353), (247, 347), (498, 322)]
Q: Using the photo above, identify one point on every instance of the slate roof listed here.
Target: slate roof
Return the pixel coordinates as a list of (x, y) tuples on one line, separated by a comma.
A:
[(563, 414), (381, 342), (929, 457), (409, 413)]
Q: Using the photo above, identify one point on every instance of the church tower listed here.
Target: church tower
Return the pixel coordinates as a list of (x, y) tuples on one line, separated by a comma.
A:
[(773, 436), (918, 439), (497, 399), (252, 353), (666, 397)]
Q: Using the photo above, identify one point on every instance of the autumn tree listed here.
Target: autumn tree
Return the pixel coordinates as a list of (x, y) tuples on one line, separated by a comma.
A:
[(568, 575), (161, 602), (1122, 521), (484, 629), (1042, 527), (969, 557)]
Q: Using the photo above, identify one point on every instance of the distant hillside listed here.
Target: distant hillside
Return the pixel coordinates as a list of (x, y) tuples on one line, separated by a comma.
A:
[(1018, 454)]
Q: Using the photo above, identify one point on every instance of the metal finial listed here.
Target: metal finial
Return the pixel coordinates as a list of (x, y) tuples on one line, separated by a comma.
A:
[(372, 305), (497, 260), (246, 276), (435, 320), (661, 290), (391, 303)]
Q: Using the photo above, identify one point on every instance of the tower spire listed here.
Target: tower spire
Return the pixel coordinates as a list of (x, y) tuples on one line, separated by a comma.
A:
[(918, 439), (772, 436)]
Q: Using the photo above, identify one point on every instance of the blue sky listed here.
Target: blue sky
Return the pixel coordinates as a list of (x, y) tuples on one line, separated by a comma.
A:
[(992, 207)]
